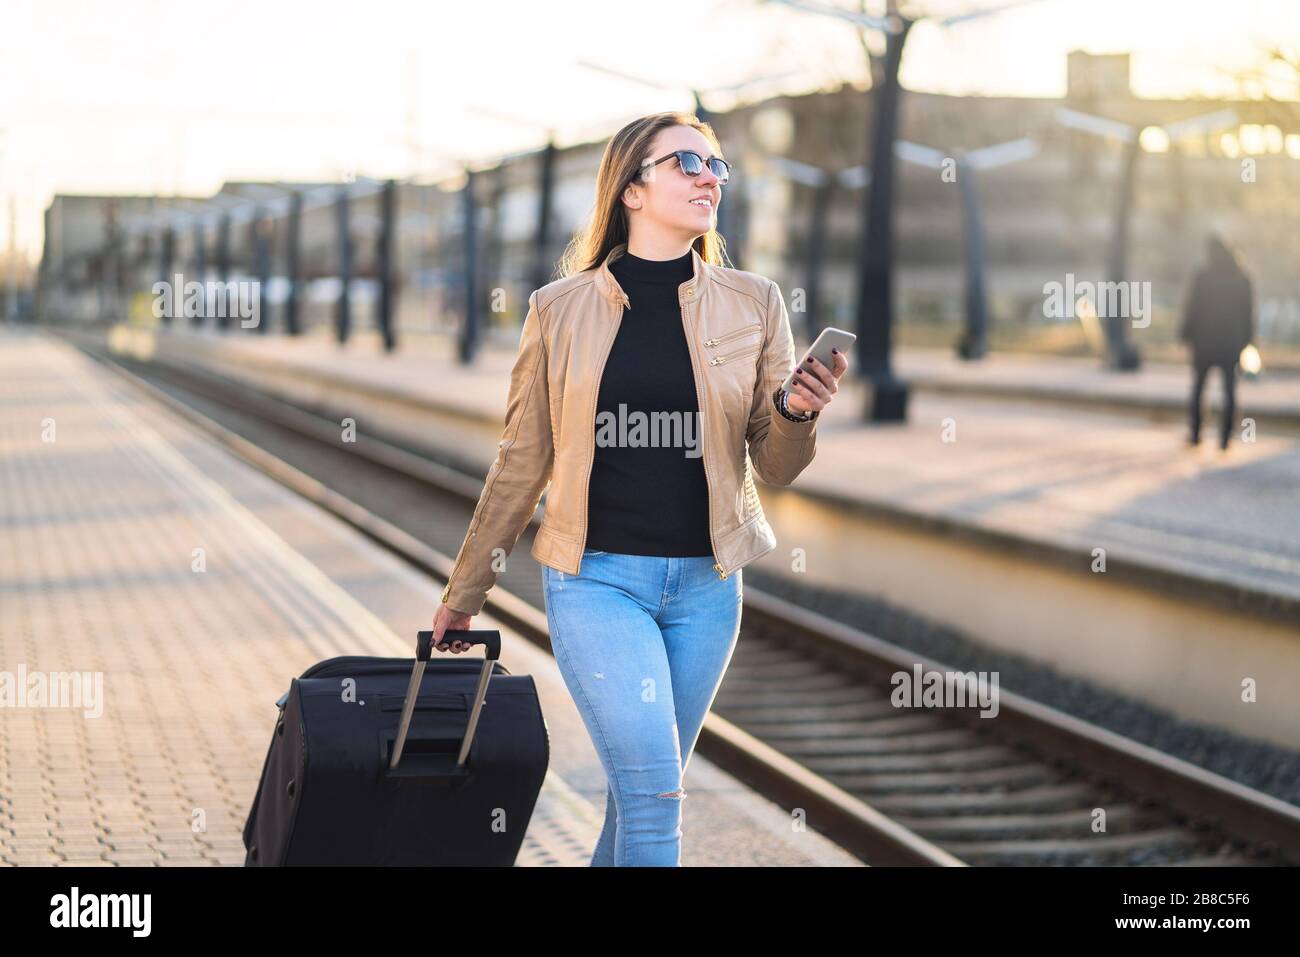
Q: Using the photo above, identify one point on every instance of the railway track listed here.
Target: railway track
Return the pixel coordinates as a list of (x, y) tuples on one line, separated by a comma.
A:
[(804, 714)]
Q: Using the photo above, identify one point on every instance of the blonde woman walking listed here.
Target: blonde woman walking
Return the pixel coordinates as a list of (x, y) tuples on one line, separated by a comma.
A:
[(646, 394)]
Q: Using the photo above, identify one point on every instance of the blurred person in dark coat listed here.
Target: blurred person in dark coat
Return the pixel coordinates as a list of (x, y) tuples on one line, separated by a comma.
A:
[(1218, 322)]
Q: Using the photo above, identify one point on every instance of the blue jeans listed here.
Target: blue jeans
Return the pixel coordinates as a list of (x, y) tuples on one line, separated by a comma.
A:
[(642, 643)]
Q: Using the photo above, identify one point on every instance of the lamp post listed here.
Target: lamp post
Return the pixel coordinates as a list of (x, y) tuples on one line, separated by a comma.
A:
[(823, 183), (973, 343), (886, 394), (1121, 354)]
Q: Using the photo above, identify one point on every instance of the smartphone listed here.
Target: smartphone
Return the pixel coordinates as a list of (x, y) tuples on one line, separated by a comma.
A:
[(829, 338)]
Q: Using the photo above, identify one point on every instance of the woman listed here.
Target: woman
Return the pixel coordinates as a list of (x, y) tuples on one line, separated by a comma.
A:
[(644, 534)]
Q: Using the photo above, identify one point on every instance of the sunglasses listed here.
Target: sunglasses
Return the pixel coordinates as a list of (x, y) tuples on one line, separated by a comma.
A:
[(692, 164)]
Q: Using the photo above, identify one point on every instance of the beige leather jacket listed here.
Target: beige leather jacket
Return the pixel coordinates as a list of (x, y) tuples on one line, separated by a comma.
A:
[(741, 349)]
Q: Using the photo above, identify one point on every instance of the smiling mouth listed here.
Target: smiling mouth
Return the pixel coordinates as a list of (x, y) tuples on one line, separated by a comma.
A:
[(706, 203)]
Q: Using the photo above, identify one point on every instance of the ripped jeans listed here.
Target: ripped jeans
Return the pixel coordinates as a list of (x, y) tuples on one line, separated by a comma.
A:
[(643, 643)]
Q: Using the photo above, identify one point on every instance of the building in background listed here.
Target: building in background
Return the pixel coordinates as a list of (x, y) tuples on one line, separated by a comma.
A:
[(1044, 218)]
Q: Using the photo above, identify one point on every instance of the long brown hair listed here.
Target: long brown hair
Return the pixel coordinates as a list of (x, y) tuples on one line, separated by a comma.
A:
[(608, 225)]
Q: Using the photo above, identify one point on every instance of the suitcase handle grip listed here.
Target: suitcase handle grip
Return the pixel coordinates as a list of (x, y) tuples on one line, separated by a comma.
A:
[(489, 638)]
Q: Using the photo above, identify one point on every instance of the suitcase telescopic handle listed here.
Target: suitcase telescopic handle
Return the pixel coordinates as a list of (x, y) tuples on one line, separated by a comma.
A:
[(491, 640)]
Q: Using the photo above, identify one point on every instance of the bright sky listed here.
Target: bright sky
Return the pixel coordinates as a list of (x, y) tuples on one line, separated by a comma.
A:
[(165, 96)]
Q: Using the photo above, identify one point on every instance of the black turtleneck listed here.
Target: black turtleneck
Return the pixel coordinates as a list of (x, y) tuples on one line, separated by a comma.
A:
[(647, 499)]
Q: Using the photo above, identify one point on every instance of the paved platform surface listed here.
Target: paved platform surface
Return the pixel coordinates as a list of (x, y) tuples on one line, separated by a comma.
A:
[(1073, 478), (1163, 386), (104, 498)]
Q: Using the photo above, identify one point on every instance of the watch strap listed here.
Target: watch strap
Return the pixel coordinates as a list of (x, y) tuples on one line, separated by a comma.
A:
[(779, 397)]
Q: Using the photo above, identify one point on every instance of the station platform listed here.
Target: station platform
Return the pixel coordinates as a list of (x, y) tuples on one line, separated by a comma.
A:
[(1159, 389), (137, 548), (989, 447)]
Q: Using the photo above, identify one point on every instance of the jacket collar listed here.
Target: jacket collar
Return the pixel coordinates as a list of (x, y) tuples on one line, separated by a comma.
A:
[(688, 292)]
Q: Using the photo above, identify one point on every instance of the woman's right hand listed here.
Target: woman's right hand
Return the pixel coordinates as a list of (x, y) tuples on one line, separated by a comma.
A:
[(446, 618)]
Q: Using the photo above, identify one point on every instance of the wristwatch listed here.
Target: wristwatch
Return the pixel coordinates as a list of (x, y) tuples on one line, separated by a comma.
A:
[(780, 396)]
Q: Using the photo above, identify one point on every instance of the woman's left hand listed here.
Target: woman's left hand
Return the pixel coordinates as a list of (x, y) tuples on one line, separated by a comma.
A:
[(813, 391)]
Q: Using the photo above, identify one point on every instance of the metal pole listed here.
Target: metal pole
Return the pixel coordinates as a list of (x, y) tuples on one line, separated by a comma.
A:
[(223, 265), (201, 269), (115, 270), (815, 246), (343, 308), (493, 259), (12, 279), (974, 342), (1122, 354), (542, 265), (886, 395), (384, 263), (293, 265), (470, 330), (166, 255), (262, 257)]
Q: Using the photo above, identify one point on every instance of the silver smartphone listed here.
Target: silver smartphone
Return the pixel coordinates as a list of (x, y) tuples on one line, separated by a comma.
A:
[(829, 338)]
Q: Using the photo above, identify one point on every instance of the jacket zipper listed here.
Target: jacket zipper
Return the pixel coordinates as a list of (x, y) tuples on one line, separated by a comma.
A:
[(718, 360), (708, 482), (718, 340), (595, 400)]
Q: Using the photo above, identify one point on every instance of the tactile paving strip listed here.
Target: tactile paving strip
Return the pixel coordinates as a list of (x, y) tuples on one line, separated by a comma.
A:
[(563, 830)]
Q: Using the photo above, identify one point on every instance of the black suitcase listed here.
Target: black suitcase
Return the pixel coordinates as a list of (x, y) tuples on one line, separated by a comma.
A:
[(407, 768)]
